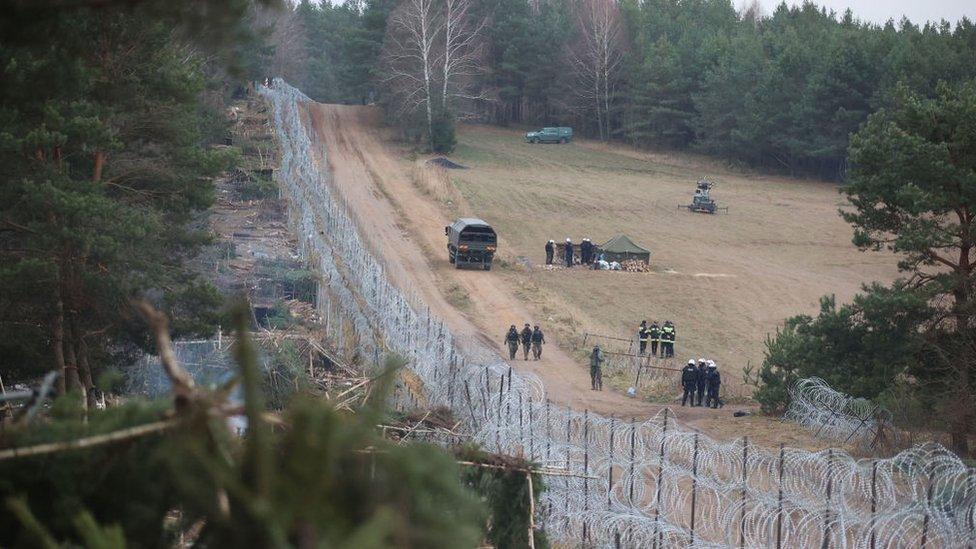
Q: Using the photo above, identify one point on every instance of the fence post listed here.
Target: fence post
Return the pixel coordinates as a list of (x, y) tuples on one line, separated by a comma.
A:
[(548, 432), (830, 485), (694, 488), (610, 471), (874, 499), (531, 437), (779, 504), (586, 469), (745, 486), (498, 415), (660, 473), (633, 441), (521, 430), (467, 391), (928, 505)]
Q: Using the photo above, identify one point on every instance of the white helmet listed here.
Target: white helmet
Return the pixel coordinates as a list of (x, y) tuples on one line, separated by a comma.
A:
[(551, 241), (711, 364), (568, 239), (692, 362), (703, 360)]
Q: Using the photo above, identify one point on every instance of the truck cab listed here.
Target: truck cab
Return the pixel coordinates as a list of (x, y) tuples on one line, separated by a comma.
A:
[(550, 135), (471, 241)]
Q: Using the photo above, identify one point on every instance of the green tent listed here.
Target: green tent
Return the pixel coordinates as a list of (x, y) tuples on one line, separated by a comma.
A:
[(622, 247)]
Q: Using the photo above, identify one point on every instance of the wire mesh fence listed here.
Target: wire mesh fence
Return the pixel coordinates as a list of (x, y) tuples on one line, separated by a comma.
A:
[(649, 483)]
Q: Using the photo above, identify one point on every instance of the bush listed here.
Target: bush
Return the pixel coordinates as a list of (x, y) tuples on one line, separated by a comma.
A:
[(442, 137), (859, 349)]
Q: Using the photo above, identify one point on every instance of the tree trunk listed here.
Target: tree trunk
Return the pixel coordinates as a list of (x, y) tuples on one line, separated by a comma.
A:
[(84, 367), (73, 380), (57, 336), (960, 422), (99, 164)]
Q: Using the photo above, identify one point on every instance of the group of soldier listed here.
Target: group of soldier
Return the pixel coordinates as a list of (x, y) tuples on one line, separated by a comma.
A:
[(658, 336), (587, 252), (531, 339), (702, 381)]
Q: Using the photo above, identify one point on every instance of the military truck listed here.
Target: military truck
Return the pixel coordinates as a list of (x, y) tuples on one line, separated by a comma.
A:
[(550, 135), (471, 241)]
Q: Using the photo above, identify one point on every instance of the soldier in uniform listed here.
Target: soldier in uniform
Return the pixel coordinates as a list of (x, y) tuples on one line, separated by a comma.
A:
[(550, 251), (538, 340), (714, 382), (702, 380), (512, 340), (596, 372), (689, 380), (642, 335), (654, 332), (526, 340), (667, 340), (586, 251), (568, 253)]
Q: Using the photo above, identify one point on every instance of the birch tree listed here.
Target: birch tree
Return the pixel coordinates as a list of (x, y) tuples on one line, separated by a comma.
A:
[(597, 55), (410, 59), (432, 57)]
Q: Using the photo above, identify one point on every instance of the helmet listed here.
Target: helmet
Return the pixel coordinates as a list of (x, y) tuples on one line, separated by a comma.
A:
[(691, 362), (568, 240), (551, 241), (703, 360)]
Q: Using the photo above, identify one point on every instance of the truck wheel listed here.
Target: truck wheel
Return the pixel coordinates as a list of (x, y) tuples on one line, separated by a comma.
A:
[(534, 141), (487, 266)]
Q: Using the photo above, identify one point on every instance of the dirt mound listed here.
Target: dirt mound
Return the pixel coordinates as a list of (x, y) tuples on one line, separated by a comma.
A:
[(445, 163)]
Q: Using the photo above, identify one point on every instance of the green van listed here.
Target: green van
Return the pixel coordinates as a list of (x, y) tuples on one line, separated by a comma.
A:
[(550, 135)]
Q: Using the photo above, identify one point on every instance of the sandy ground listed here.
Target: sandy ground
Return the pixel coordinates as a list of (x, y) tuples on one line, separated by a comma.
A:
[(404, 223)]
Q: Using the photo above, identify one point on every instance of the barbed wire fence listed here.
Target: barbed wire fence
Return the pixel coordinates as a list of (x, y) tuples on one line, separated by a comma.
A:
[(648, 483), (837, 416)]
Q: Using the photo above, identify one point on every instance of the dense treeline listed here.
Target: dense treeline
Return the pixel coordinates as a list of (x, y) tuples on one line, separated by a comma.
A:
[(108, 119), (781, 91)]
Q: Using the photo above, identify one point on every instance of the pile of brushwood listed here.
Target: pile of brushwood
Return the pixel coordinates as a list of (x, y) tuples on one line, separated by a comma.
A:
[(172, 473)]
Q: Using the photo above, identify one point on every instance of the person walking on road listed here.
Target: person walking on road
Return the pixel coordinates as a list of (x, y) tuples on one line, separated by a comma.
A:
[(538, 340), (550, 251), (701, 382), (512, 340), (596, 372), (568, 253), (526, 340), (714, 382), (642, 335), (654, 334), (689, 380)]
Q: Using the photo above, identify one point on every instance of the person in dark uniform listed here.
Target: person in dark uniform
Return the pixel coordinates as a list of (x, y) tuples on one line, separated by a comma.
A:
[(654, 334), (550, 251), (701, 382), (667, 340), (538, 340), (526, 340), (642, 335), (568, 253), (512, 340), (714, 382), (596, 372), (586, 251), (689, 380)]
